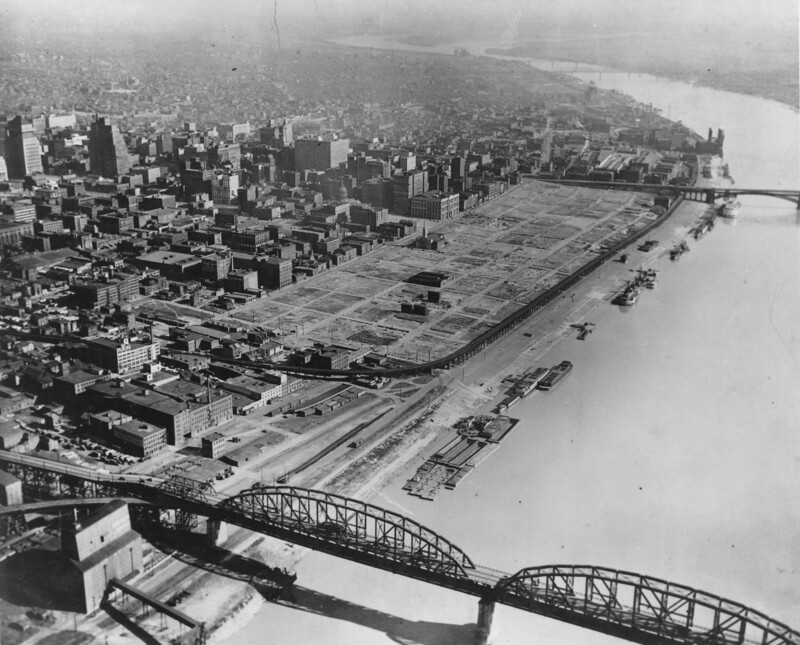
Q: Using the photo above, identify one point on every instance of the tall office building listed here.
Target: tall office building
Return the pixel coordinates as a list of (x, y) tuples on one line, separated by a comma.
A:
[(277, 133), (317, 153), (224, 188), (458, 167), (23, 153), (407, 185), (108, 154)]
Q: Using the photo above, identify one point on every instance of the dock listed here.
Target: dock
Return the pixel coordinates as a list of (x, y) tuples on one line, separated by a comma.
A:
[(477, 438)]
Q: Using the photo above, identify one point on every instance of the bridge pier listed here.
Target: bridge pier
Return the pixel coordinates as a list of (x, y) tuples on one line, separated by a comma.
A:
[(485, 615), (216, 533)]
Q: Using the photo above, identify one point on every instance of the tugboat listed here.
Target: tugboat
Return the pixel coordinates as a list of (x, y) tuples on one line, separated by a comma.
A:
[(678, 250), (629, 296)]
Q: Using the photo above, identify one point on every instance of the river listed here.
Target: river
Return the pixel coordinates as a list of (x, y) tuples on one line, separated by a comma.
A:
[(673, 449)]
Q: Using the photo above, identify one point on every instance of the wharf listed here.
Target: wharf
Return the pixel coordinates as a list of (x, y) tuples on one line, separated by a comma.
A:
[(477, 439), (521, 387)]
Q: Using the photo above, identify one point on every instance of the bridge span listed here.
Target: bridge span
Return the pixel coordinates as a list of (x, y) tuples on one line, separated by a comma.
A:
[(628, 605), (706, 194)]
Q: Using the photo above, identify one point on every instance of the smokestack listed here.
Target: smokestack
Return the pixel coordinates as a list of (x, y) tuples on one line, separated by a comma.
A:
[(208, 388)]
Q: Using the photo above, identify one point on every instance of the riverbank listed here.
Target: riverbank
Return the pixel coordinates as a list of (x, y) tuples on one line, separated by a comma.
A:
[(475, 388), (780, 86), (670, 449)]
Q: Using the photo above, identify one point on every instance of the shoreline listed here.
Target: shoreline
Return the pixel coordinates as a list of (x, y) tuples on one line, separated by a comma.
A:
[(485, 49), (411, 444)]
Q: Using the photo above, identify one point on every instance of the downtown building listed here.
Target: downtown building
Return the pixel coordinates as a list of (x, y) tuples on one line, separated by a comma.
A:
[(318, 153), (405, 186), (185, 409), (225, 188), (22, 150), (108, 153), (120, 356), (434, 205)]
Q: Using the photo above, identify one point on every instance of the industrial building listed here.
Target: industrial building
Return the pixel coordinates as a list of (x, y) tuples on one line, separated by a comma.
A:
[(101, 547), (120, 356)]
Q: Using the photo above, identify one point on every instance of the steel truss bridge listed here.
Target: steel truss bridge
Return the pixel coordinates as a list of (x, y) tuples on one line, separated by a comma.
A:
[(627, 605), (708, 195)]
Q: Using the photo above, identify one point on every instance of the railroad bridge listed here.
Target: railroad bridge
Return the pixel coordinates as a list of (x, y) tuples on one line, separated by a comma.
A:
[(709, 195), (628, 605)]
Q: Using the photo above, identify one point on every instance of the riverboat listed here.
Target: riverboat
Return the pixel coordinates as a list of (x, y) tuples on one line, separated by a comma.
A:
[(628, 297), (730, 208)]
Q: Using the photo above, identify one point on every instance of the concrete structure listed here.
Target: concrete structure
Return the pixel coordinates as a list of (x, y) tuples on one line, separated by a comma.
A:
[(378, 192), (213, 446), (23, 153), (140, 439), (318, 153), (277, 133), (108, 154), (405, 186), (241, 280), (372, 216), (75, 383), (225, 188), (175, 266), (434, 205), (101, 547), (186, 410), (12, 401), (92, 294), (259, 391), (120, 356), (233, 131), (275, 273), (10, 490), (61, 121)]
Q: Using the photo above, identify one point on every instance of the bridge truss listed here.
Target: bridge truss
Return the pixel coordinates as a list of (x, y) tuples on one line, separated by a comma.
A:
[(638, 608), (348, 528), (635, 607)]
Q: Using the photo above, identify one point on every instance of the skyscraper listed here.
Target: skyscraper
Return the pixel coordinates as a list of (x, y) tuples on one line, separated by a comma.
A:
[(23, 153), (406, 185), (320, 154), (108, 154)]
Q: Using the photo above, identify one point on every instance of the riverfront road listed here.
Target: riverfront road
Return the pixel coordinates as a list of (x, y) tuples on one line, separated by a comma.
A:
[(628, 605)]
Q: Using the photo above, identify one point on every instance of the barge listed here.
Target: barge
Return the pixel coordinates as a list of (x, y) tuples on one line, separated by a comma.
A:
[(555, 376)]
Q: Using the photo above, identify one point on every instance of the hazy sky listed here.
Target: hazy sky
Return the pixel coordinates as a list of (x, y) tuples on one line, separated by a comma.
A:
[(761, 15), (761, 31)]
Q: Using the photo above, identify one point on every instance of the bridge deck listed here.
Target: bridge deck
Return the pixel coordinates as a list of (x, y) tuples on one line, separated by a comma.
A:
[(56, 504)]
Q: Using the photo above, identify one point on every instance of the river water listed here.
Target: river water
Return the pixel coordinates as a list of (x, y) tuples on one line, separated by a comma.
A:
[(673, 448)]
